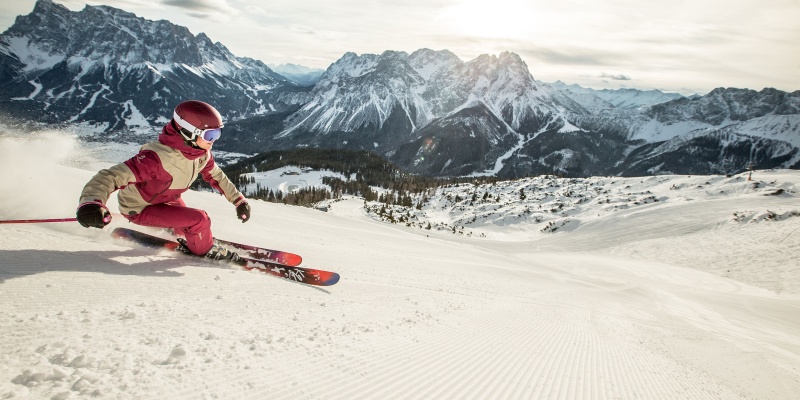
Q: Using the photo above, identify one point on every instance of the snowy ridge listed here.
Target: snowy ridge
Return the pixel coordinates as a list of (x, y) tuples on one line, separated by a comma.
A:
[(694, 296), (299, 74), (722, 108), (355, 93), (629, 99)]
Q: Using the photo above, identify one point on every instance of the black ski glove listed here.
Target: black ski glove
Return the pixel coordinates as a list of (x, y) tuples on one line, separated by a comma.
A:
[(243, 211), (93, 215)]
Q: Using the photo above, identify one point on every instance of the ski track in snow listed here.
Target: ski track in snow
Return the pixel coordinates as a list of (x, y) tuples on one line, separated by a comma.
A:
[(602, 312)]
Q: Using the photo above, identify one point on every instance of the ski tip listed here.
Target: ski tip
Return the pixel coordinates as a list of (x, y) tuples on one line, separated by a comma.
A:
[(332, 280), (118, 232)]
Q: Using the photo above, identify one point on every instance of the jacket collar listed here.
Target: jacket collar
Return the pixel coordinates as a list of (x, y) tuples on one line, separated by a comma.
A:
[(171, 137)]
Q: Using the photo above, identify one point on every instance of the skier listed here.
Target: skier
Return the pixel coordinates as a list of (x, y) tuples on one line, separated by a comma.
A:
[(151, 183)]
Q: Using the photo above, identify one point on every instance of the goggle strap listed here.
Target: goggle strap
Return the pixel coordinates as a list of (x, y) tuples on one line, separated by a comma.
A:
[(185, 124), (187, 135)]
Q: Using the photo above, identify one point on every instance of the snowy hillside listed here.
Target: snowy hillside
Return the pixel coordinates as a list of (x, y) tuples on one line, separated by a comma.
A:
[(547, 210), (289, 179), (693, 296)]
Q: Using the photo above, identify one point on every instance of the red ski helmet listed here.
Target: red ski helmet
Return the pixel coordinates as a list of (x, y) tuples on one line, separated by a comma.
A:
[(196, 118)]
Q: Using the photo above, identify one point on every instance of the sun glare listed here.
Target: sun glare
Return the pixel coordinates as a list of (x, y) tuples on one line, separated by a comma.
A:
[(496, 19)]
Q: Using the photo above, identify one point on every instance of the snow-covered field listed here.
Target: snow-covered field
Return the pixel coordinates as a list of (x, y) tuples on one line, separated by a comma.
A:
[(289, 179), (693, 297)]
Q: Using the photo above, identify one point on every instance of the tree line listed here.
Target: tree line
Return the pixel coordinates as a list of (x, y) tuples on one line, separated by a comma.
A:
[(365, 171)]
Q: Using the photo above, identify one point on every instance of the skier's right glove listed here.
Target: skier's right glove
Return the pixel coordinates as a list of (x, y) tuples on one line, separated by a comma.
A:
[(243, 211), (93, 214)]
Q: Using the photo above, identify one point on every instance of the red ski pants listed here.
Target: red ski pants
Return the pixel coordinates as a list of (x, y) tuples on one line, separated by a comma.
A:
[(191, 223)]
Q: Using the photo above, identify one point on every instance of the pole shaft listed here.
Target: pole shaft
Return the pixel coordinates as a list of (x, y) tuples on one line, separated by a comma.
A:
[(37, 221)]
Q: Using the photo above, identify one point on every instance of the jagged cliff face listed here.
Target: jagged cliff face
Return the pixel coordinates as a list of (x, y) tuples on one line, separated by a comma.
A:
[(428, 111), (108, 68), (404, 105), (362, 92)]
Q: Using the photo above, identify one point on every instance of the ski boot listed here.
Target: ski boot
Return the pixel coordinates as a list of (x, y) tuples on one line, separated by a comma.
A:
[(217, 252)]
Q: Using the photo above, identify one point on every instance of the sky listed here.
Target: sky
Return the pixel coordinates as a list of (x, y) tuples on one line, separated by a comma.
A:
[(685, 46)]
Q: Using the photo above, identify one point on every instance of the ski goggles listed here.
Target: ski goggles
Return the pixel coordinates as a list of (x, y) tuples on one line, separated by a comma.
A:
[(211, 135), (191, 133)]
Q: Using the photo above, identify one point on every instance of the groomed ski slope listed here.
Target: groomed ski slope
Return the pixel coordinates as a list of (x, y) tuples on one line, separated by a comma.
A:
[(618, 308)]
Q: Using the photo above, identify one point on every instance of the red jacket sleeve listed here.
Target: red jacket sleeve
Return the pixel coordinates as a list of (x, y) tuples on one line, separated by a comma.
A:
[(212, 174)]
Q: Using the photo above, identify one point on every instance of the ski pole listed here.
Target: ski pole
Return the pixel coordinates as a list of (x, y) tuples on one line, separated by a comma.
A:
[(37, 221)]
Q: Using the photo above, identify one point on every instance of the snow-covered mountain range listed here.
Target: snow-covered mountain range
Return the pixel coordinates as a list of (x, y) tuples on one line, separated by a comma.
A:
[(432, 113), (632, 99), (113, 70), (428, 111)]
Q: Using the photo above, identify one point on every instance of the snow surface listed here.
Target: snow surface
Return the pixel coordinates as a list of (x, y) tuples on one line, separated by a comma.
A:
[(32, 56), (619, 307), (37, 87), (289, 179)]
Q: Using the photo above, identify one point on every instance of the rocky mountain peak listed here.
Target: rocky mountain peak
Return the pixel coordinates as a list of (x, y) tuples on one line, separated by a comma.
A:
[(47, 8), (133, 69), (428, 62)]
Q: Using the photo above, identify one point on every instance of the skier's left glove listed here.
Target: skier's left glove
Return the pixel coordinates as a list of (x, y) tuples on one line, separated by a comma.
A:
[(243, 211)]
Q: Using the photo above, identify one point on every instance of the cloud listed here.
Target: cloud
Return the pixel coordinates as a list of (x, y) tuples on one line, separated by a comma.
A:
[(206, 9), (303, 30), (574, 56), (619, 77)]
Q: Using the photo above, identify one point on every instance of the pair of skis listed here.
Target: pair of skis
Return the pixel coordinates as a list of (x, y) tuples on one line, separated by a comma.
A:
[(273, 262)]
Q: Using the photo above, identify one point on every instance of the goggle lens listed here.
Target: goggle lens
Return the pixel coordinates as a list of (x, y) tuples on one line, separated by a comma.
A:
[(212, 134)]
